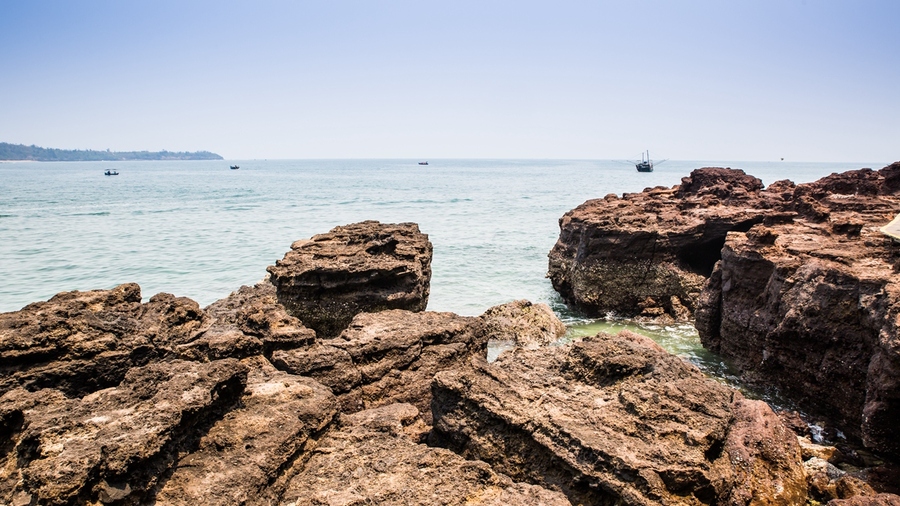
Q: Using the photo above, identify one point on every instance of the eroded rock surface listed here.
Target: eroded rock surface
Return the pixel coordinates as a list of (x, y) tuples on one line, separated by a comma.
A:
[(617, 420), (371, 459), (523, 323), (364, 267), (812, 304), (114, 444), (79, 342), (793, 283), (388, 357)]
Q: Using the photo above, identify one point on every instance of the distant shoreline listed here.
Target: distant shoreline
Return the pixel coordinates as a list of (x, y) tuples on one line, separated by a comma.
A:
[(22, 153)]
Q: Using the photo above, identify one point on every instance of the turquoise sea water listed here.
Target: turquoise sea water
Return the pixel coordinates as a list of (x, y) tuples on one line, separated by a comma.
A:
[(198, 229)]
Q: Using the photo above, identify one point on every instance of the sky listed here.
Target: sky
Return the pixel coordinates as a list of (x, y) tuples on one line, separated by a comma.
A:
[(810, 80)]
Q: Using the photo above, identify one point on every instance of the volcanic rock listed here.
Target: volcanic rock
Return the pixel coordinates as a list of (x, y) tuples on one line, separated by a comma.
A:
[(372, 460), (79, 342), (617, 420), (387, 357), (114, 444), (364, 267)]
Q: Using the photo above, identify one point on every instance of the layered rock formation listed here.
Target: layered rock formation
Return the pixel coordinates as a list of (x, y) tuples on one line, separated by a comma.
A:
[(801, 291), (617, 420), (364, 267)]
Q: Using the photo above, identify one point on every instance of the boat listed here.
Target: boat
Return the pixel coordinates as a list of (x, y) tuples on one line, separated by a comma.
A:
[(423, 163), (111, 173), (644, 165), (235, 167)]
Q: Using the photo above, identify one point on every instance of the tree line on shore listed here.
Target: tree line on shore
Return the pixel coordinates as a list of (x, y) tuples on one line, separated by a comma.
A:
[(35, 153)]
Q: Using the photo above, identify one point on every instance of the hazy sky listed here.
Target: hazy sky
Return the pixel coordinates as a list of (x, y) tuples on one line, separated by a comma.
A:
[(715, 80)]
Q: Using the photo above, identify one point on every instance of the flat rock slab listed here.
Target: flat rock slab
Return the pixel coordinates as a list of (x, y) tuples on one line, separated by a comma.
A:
[(114, 444), (617, 420), (79, 342), (371, 459), (364, 267)]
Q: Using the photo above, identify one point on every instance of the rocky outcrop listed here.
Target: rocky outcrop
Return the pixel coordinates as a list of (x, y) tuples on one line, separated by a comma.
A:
[(113, 445), (371, 459), (388, 357), (648, 254), (617, 420), (794, 284), (364, 267), (812, 304), (80, 342)]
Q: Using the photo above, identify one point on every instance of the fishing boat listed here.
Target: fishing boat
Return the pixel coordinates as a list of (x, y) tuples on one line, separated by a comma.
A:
[(645, 165), (111, 173), (235, 167), (423, 163)]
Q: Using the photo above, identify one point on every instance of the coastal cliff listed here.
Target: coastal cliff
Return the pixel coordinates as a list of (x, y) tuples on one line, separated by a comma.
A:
[(108, 400), (793, 284)]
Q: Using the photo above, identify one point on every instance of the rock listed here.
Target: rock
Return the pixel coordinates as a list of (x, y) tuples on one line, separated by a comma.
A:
[(247, 457), (617, 420), (387, 357), (875, 500), (793, 284), (614, 254), (364, 267), (114, 444), (248, 322), (80, 342), (371, 460), (524, 323)]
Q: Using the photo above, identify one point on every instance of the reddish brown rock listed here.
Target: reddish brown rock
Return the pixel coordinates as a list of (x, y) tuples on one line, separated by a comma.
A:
[(813, 305), (388, 357), (648, 254), (114, 444), (617, 420), (372, 460), (364, 267), (79, 342), (799, 287), (249, 455)]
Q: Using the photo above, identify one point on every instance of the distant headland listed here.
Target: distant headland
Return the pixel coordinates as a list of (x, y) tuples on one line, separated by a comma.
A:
[(20, 152)]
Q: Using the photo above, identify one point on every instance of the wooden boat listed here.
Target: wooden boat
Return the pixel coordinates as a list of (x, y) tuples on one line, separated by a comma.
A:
[(111, 173), (235, 167), (644, 165), (423, 163)]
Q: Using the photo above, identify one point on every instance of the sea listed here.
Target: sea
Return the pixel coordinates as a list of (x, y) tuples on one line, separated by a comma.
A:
[(201, 230)]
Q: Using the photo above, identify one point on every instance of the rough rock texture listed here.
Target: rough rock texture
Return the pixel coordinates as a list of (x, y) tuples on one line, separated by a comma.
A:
[(114, 444), (523, 323), (617, 420), (249, 455), (372, 460), (388, 357), (812, 305), (648, 254), (248, 322), (79, 342), (802, 291), (364, 267)]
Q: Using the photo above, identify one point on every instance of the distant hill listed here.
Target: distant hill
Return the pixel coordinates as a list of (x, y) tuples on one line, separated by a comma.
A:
[(38, 154)]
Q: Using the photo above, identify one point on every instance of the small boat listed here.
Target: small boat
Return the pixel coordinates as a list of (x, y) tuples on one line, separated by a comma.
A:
[(644, 165), (235, 167), (111, 173), (423, 163)]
